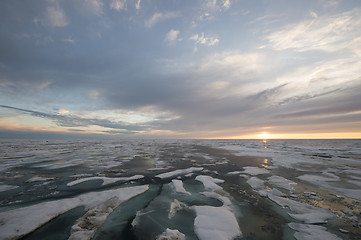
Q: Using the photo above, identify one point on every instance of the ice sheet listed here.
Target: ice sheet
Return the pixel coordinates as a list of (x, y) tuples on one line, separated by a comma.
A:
[(18, 222), (39, 179), (179, 172)]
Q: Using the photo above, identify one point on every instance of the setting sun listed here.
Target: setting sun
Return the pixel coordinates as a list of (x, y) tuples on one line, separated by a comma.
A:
[(264, 135)]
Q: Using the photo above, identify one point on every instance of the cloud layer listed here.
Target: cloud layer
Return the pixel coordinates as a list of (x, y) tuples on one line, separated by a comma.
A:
[(189, 70)]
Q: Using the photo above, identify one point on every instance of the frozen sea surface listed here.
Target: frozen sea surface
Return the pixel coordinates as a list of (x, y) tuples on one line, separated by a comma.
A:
[(180, 189)]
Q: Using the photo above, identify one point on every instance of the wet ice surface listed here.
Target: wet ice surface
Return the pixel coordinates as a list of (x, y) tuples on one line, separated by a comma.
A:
[(180, 189)]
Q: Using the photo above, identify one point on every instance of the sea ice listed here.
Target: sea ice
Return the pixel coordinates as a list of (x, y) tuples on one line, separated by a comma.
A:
[(86, 226), (171, 234), (303, 212), (106, 180), (175, 206), (39, 179), (179, 172), (311, 232), (210, 182), (215, 223), (177, 186), (5, 187), (281, 182), (256, 183), (18, 222), (255, 171)]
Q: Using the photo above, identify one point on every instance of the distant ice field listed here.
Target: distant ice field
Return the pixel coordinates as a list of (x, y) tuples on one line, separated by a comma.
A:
[(180, 189)]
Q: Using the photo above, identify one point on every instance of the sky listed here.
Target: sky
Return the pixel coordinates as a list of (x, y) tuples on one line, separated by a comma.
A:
[(180, 69)]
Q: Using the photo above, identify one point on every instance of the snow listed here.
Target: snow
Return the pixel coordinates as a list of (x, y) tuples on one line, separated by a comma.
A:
[(303, 212), (106, 180), (179, 172), (177, 186), (86, 226), (235, 173), (255, 171), (215, 223), (282, 182), (311, 232), (170, 234), (175, 206), (18, 222), (210, 182), (5, 187)]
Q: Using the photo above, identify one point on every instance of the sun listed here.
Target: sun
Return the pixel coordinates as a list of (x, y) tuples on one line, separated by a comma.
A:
[(264, 135)]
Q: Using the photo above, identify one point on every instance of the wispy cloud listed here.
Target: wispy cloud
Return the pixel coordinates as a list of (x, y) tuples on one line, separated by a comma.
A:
[(204, 40), (96, 6), (55, 17), (328, 33), (157, 17), (118, 5)]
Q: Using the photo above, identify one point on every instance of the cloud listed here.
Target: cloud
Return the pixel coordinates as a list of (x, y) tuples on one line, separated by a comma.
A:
[(55, 17), (137, 5), (118, 5), (204, 40), (172, 35), (328, 33), (96, 6), (157, 17), (63, 119)]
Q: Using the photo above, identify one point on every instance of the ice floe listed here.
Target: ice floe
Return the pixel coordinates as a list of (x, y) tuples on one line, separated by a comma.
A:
[(18, 222), (282, 182), (303, 212), (5, 187), (86, 226), (311, 232), (175, 206), (255, 171), (210, 182), (256, 183), (215, 223), (171, 234), (39, 179), (179, 172), (106, 180), (177, 186)]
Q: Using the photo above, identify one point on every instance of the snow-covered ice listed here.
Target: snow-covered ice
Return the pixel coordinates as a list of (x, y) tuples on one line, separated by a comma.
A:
[(255, 171), (303, 212), (179, 172), (215, 223), (210, 182), (177, 186), (282, 182), (311, 232), (171, 234), (18, 222), (5, 187), (106, 180)]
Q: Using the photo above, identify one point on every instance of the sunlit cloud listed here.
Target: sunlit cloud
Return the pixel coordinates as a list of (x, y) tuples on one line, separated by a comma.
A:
[(328, 33), (204, 40), (55, 17)]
